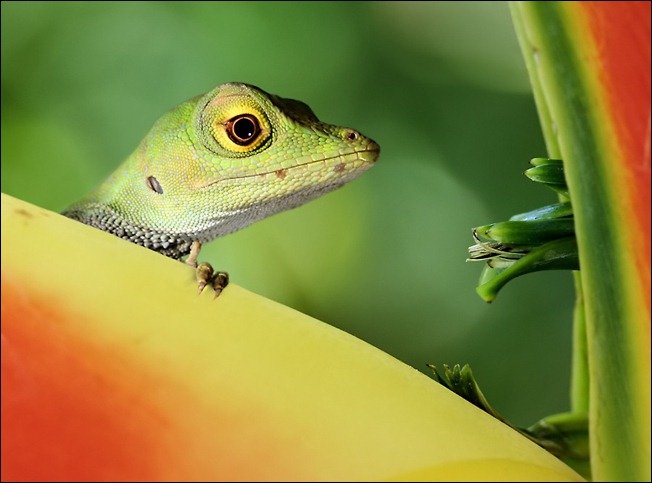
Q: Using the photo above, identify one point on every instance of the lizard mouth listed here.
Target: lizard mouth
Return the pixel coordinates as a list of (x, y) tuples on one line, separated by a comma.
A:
[(364, 157)]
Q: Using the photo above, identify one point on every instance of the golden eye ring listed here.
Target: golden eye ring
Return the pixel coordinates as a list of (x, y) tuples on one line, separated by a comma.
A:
[(243, 130)]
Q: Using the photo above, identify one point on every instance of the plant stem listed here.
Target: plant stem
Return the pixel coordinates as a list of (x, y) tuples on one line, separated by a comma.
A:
[(579, 390), (580, 373), (569, 47)]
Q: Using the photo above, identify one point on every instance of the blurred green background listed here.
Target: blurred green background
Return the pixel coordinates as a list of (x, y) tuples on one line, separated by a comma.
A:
[(441, 86)]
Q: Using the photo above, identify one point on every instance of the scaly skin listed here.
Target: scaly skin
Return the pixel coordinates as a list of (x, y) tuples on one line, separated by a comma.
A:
[(219, 162)]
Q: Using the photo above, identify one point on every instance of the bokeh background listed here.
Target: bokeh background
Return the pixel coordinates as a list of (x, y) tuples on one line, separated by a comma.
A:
[(441, 86)]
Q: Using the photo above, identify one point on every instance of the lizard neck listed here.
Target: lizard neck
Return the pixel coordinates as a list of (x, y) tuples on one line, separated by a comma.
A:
[(175, 244), (106, 219)]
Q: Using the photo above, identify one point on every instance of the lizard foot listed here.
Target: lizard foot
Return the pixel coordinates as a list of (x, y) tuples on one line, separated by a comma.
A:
[(205, 275), (204, 272)]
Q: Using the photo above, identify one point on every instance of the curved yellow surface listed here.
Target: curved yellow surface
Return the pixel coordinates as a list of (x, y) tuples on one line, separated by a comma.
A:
[(115, 368)]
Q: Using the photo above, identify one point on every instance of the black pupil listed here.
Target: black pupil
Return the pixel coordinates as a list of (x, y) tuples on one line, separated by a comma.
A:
[(244, 128)]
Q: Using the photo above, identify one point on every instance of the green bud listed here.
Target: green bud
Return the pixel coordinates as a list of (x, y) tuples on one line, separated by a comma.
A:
[(534, 232), (557, 210), (555, 255), (542, 161), (551, 174)]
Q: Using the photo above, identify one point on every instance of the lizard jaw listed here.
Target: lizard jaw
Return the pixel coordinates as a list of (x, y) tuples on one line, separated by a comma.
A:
[(366, 156)]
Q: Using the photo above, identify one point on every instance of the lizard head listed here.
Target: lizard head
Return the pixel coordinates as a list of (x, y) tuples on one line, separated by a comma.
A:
[(267, 142), (243, 154), (221, 161), (274, 147)]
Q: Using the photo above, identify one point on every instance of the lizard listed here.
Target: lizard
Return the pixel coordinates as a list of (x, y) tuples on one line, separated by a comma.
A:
[(217, 163)]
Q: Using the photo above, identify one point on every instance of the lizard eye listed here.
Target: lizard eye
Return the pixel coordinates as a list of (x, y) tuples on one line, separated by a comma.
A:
[(243, 130), (235, 126)]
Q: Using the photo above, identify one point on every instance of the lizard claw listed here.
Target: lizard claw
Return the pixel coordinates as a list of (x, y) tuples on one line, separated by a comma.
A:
[(204, 275), (220, 280)]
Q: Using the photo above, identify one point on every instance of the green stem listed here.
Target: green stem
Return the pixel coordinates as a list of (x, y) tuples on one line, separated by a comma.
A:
[(618, 353), (580, 373)]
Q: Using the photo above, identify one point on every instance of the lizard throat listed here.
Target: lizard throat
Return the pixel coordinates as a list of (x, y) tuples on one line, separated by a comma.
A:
[(177, 244)]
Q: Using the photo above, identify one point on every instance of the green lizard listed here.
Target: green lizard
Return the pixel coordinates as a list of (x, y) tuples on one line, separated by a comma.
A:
[(217, 163)]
